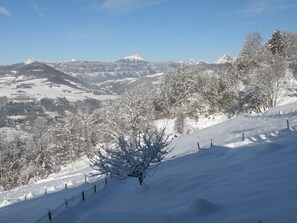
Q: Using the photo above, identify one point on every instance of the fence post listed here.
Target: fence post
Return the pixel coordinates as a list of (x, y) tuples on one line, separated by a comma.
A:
[(198, 145), (288, 125), (211, 144), (242, 135), (95, 189), (65, 185), (66, 203), (105, 180), (49, 215), (83, 195)]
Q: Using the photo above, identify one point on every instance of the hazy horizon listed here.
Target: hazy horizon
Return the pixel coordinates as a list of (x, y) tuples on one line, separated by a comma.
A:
[(159, 30)]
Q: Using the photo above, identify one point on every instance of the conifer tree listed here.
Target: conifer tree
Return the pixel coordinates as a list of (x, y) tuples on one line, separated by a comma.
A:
[(276, 43)]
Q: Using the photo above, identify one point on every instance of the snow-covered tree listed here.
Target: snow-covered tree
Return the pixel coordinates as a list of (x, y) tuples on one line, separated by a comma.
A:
[(68, 139), (291, 49), (40, 146), (130, 113), (176, 88), (222, 91), (179, 123), (261, 70), (86, 129), (291, 46), (250, 56), (132, 157), (13, 158), (276, 43), (263, 90)]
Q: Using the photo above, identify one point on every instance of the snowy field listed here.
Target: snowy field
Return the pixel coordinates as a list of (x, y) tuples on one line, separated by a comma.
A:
[(41, 88), (236, 180)]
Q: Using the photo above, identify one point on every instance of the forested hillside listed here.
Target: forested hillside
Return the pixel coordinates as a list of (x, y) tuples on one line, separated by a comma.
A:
[(260, 78)]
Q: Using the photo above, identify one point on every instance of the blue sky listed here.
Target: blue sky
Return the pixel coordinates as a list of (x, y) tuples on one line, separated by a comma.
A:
[(159, 30)]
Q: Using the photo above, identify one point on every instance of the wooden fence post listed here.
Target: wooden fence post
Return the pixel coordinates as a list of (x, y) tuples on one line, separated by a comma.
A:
[(105, 180), (198, 145), (83, 195), (211, 144), (95, 189), (65, 185), (49, 215), (66, 203), (288, 125), (242, 135)]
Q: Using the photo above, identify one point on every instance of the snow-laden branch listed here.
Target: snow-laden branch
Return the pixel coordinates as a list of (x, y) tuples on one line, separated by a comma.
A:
[(132, 158)]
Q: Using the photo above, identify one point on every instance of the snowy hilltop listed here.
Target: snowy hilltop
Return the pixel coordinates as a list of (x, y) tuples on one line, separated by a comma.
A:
[(133, 57)]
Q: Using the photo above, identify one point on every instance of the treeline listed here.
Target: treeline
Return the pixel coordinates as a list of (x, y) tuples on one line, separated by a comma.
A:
[(251, 84), (43, 143)]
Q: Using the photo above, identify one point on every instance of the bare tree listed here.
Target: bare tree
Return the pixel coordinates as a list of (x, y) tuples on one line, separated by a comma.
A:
[(132, 158)]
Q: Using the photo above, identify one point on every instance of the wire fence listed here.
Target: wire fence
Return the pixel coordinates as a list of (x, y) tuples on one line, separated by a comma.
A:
[(73, 201), (22, 194), (244, 136)]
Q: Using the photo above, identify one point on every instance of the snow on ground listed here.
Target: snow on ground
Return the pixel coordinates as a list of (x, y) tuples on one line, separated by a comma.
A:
[(41, 88), (235, 181)]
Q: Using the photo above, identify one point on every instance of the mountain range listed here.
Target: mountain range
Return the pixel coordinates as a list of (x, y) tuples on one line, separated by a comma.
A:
[(133, 66), (78, 80)]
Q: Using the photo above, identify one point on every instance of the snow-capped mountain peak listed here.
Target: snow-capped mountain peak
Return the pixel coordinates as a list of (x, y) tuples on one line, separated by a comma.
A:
[(29, 61), (225, 59), (134, 57), (190, 62)]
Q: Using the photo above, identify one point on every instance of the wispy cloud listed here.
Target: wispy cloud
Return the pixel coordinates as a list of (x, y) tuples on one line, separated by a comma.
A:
[(274, 6), (4, 11), (125, 6), (95, 30), (36, 8), (255, 7)]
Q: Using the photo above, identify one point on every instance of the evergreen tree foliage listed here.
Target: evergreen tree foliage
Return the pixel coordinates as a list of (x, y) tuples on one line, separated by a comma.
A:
[(276, 43)]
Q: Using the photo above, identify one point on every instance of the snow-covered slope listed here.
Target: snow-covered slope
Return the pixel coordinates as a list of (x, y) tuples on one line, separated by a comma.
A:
[(254, 180), (36, 81)]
